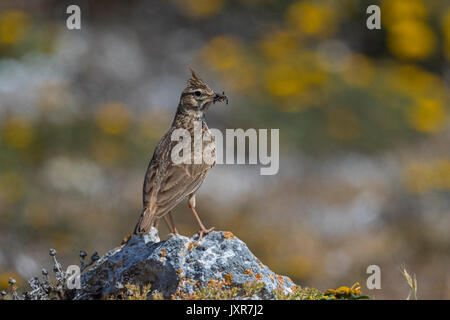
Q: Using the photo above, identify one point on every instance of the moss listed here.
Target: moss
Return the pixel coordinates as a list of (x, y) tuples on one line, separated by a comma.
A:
[(341, 293), (133, 292), (221, 290)]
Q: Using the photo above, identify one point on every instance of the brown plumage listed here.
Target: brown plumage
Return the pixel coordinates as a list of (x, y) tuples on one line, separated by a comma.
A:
[(166, 184)]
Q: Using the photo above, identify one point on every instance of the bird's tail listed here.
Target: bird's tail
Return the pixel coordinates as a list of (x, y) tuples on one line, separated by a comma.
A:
[(145, 221)]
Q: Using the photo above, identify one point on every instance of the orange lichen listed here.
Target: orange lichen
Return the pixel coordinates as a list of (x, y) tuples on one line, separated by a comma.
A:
[(163, 253), (213, 283), (280, 279), (227, 235), (258, 276), (249, 272), (228, 278), (192, 245)]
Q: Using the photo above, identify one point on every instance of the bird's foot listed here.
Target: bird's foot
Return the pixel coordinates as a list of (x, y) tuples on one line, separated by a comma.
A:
[(173, 234), (204, 232)]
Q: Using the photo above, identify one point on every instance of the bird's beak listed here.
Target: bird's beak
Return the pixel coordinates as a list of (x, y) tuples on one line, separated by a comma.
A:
[(220, 97)]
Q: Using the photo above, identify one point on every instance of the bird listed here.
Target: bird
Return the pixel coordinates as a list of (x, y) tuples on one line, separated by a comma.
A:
[(167, 183)]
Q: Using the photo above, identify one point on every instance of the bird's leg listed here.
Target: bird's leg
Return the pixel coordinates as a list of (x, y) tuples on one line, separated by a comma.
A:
[(175, 231), (155, 223), (203, 230), (171, 224)]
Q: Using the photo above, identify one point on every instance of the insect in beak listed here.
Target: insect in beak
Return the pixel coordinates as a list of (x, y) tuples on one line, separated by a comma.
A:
[(220, 97)]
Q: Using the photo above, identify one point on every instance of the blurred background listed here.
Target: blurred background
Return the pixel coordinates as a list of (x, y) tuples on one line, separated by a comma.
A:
[(363, 116)]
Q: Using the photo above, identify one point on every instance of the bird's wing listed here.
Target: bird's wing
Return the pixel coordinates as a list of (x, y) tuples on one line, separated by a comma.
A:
[(166, 184), (178, 183)]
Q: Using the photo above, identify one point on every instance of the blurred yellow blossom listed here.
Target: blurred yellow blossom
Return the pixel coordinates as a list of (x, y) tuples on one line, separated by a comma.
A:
[(296, 103), (312, 18), (411, 39), (12, 187), (345, 291), (113, 118), (416, 82), (200, 8), (427, 115), (227, 55), (343, 124), (278, 43), (283, 80), (294, 76), (18, 132), (13, 26), (446, 31), (223, 53), (394, 11)]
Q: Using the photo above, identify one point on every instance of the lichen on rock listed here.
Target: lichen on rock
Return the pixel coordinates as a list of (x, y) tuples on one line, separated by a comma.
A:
[(178, 266)]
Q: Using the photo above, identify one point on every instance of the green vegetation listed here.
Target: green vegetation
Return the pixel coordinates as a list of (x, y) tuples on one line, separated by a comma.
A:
[(218, 290)]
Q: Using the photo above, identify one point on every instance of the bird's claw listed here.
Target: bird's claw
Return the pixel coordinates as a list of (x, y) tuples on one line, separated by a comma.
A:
[(173, 234), (204, 232)]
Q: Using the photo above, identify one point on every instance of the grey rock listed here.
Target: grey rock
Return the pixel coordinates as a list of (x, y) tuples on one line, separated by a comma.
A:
[(179, 264)]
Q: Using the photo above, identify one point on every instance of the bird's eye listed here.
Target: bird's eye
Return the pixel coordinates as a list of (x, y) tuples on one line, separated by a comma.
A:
[(198, 93)]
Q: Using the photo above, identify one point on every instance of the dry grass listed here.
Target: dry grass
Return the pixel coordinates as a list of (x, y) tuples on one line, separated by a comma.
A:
[(412, 283)]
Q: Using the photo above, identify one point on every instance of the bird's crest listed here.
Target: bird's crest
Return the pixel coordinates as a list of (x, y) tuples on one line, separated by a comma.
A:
[(195, 81)]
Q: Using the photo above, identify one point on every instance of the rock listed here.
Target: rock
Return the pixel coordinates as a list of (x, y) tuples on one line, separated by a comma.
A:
[(179, 265)]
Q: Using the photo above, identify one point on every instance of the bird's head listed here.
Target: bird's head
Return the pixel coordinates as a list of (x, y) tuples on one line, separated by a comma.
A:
[(197, 96)]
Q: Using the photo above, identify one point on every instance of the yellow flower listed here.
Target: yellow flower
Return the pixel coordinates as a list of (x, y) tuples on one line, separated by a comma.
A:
[(113, 118), (312, 19), (226, 55), (223, 53), (356, 289), (200, 8), (18, 132), (411, 39), (394, 11), (428, 115), (344, 291), (416, 82), (283, 80), (446, 31), (278, 43), (13, 26)]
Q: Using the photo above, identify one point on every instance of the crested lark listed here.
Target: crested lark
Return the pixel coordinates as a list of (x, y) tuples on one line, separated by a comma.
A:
[(166, 184)]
